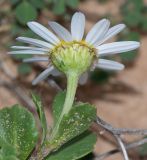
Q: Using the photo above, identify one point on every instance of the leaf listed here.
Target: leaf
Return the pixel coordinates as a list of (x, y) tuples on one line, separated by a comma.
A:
[(59, 7), (58, 105), (130, 20), (25, 12), (133, 12), (100, 76), (143, 149), (39, 4), (21, 56), (41, 114), (131, 55), (24, 68), (17, 128), (72, 4), (7, 151), (75, 149), (16, 29), (144, 23), (14, 2), (74, 123)]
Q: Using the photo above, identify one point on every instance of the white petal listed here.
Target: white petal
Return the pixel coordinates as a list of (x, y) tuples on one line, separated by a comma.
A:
[(62, 32), (112, 32), (117, 47), (98, 31), (35, 59), (43, 75), (109, 65), (55, 72), (35, 42), (43, 32), (83, 79), (27, 52), (29, 48), (78, 26)]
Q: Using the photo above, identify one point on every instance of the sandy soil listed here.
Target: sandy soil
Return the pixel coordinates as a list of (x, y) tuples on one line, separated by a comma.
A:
[(123, 101)]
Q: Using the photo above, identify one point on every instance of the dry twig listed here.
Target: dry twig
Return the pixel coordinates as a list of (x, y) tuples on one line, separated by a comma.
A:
[(117, 132)]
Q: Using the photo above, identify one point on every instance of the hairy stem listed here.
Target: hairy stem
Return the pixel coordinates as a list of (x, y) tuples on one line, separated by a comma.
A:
[(72, 82)]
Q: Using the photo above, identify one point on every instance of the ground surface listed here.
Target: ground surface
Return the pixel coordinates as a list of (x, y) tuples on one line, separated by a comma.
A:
[(122, 102)]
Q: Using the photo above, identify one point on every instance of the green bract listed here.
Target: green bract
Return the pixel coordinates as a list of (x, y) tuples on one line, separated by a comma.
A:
[(73, 57)]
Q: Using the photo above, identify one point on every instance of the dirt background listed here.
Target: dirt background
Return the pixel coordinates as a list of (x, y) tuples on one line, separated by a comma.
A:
[(122, 101)]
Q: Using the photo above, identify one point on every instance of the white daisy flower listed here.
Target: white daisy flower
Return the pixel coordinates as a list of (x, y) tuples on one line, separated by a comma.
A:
[(68, 51)]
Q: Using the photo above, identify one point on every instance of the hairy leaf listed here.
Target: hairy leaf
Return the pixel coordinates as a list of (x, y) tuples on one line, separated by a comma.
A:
[(58, 105), (74, 123), (17, 128), (41, 114), (7, 151), (75, 149)]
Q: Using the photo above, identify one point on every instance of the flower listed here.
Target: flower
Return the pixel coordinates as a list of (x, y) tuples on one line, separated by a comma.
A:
[(69, 51)]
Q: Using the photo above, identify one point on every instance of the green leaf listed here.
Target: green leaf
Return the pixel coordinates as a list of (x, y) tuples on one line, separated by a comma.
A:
[(143, 150), (131, 55), (24, 68), (7, 151), (59, 7), (72, 4), (25, 12), (74, 123), (144, 23), (21, 56), (14, 2), (41, 114), (133, 12), (130, 20), (18, 128), (100, 76), (58, 105), (75, 149), (39, 4)]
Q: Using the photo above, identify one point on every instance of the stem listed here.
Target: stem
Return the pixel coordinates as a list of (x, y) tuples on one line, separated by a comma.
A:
[(72, 82)]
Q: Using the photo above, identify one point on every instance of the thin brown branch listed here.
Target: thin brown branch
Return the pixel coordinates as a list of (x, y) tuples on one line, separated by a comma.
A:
[(128, 146), (120, 131)]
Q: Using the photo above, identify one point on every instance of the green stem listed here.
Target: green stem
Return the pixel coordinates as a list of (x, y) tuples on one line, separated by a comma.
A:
[(72, 82)]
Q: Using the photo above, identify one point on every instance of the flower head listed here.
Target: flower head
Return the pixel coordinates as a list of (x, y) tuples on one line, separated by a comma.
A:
[(70, 52)]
